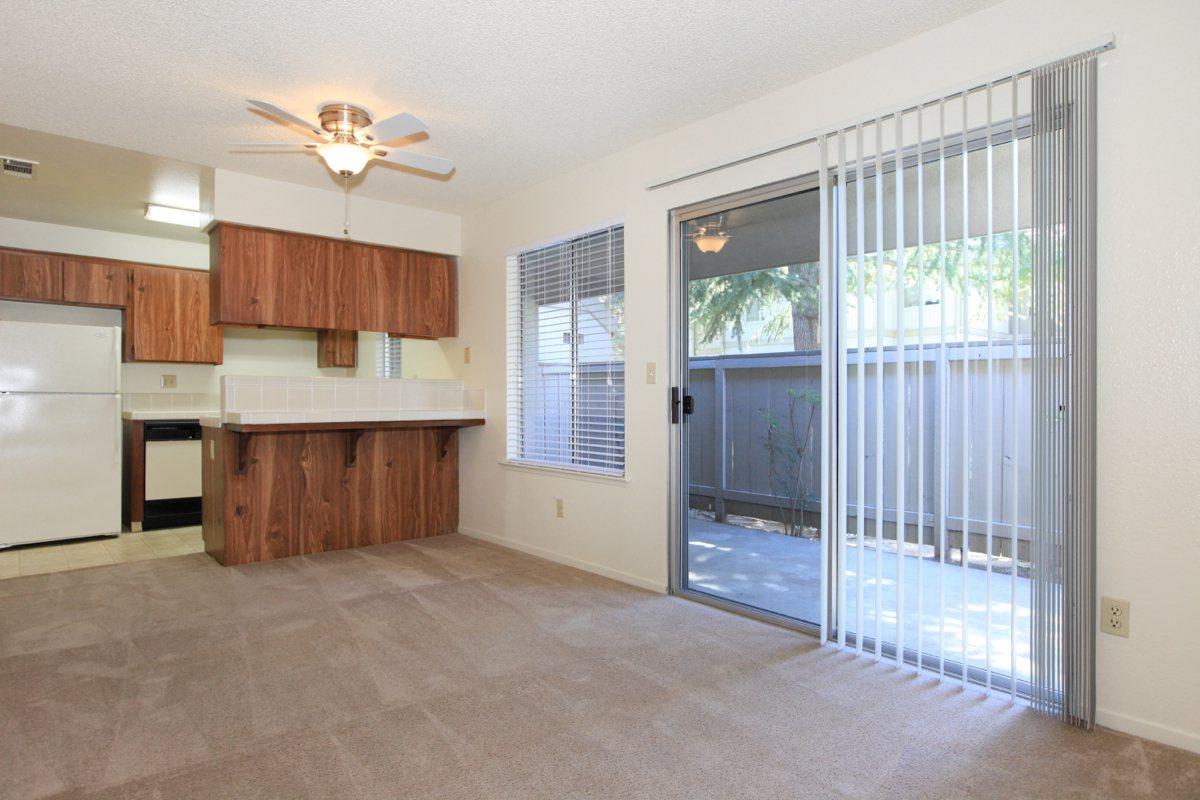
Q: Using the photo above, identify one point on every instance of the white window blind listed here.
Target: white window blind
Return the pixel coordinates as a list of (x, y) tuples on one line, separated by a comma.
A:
[(387, 356), (566, 353)]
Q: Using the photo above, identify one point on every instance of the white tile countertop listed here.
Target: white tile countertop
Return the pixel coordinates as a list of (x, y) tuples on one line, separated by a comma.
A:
[(184, 413), (250, 400), (168, 405), (305, 417)]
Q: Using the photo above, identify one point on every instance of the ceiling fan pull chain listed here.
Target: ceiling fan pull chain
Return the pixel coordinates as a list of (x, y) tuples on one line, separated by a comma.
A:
[(346, 221)]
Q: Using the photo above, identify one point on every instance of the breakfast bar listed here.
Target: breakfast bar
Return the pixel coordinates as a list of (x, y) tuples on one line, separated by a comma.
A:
[(280, 485)]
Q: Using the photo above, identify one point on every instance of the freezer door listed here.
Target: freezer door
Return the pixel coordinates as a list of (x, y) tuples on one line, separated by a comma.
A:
[(60, 466), (39, 357)]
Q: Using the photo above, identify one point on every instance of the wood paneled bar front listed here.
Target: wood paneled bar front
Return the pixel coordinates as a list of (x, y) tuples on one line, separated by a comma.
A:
[(278, 490)]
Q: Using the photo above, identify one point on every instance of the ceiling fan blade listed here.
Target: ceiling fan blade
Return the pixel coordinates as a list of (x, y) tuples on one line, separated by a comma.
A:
[(396, 127), (438, 166), (273, 146), (287, 118)]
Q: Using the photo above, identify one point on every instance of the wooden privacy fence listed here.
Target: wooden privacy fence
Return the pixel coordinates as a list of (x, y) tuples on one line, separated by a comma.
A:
[(729, 455)]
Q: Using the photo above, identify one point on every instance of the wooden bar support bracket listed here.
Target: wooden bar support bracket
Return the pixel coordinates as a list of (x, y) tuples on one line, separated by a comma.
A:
[(444, 435), (243, 446), (352, 438)]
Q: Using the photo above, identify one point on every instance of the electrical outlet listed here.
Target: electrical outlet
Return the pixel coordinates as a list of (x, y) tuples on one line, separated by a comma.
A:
[(170, 382), (651, 372), (466, 355), (558, 508), (1114, 616)]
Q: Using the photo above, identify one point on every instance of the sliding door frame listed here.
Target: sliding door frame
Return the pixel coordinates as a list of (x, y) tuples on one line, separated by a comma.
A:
[(679, 456)]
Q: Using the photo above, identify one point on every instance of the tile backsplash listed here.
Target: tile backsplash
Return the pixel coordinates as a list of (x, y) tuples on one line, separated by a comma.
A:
[(344, 398), (169, 401)]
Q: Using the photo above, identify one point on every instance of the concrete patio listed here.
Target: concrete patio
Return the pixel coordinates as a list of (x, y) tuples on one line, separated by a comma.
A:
[(782, 574)]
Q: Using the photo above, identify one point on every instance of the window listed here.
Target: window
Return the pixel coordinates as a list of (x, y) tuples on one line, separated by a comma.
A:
[(387, 356), (566, 353)]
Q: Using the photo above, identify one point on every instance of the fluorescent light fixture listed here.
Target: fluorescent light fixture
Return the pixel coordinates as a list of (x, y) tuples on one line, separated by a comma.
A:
[(174, 216)]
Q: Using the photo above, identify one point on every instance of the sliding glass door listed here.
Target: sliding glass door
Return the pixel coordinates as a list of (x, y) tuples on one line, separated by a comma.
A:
[(750, 515), (858, 453)]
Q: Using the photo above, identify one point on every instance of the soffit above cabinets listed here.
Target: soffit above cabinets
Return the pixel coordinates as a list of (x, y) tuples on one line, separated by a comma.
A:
[(87, 185)]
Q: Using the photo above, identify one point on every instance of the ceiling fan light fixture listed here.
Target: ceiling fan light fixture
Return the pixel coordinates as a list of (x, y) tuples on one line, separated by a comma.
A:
[(711, 242), (345, 158)]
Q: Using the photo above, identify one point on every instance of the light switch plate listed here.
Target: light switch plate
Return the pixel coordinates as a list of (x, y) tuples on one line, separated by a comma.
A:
[(466, 355), (651, 372), (170, 382), (558, 508)]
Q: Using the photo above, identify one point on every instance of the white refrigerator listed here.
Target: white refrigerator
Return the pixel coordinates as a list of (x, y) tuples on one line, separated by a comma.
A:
[(60, 432)]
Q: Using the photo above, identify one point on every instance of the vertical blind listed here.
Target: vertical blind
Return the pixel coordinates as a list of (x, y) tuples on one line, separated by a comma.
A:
[(1064, 388), (940, 245), (930, 214), (387, 356), (566, 353)]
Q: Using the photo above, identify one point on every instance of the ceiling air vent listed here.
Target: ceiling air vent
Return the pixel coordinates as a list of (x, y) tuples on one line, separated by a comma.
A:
[(17, 167)]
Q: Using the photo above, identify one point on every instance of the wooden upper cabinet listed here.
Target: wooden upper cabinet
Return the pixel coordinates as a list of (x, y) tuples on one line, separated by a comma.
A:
[(93, 283), (168, 317), (291, 280), (246, 285), (30, 276), (433, 287)]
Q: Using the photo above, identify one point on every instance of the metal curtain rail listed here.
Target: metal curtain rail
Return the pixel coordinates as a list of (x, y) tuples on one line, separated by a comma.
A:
[(1020, 71)]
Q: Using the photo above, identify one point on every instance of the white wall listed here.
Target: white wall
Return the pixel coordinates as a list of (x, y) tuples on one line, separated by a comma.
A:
[(101, 244), (1149, 363), (268, 203)]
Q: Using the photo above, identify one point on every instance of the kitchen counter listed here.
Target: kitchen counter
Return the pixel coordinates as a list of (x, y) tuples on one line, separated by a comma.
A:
[(158, 414), (213, 419), (275, 488)]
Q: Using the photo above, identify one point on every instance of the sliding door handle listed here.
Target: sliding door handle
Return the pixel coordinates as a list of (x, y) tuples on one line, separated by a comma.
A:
[(678, 401)]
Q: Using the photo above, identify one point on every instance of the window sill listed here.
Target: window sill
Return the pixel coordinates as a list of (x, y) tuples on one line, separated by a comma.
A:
[(565, 472)]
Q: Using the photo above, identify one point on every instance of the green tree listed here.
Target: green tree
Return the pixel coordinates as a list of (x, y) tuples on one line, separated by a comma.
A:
[(719, 304)]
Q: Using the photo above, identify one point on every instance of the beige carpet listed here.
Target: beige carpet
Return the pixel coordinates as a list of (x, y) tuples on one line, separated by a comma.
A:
[(453, 669)]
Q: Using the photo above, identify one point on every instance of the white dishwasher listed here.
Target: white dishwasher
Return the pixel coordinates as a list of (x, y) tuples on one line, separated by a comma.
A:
[(173, 465)]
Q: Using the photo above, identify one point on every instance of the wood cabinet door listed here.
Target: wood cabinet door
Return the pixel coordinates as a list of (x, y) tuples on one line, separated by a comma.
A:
[(167, 318), (379, 275), (93, 283), (30, 276), (429, 295), (199, 341), (317, 291), (337, 348), (254, 284)]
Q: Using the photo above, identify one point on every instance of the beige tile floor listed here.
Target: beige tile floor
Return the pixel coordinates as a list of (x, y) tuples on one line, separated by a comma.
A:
[(59, 557)]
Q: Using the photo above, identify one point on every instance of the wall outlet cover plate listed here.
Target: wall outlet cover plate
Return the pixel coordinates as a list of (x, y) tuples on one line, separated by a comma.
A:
[(1114, 616)]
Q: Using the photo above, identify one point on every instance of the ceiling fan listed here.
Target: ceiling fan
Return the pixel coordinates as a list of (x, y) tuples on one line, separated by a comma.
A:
[(346, 138), (709, 236)]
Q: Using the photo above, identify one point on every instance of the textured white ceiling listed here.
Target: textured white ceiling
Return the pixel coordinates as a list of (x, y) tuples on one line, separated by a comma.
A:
[(513, 91)]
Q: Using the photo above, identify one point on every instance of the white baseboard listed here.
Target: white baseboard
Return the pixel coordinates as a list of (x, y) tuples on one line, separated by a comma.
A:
[(550, 555), (1149, 730)]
